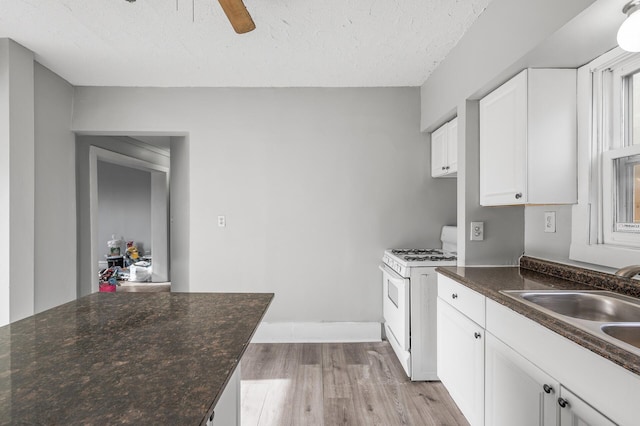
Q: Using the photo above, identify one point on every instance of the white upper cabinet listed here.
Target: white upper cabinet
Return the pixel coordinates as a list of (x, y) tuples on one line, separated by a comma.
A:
[(528, 140), (444, 150)]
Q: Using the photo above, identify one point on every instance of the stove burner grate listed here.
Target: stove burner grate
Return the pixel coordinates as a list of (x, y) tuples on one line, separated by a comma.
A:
[(428, 258), (417, 252)]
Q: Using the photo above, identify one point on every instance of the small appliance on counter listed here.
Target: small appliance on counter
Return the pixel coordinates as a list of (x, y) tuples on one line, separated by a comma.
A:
[(409, 302)]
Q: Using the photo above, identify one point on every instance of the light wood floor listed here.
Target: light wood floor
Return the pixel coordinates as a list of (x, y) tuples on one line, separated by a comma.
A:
[(337, 384)]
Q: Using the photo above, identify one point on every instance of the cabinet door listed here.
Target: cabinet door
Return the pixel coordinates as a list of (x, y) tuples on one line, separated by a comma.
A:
[(575, 412), (460, 344), (227, 409), (439, 151), (516, 391), (452, 146), (503, 144)]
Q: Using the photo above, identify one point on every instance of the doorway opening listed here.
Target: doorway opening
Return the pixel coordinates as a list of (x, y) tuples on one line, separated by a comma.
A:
[(124, 188), (129, 211)]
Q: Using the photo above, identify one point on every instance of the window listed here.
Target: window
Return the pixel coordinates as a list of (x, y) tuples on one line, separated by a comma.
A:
[(621, 150), (606, 221)]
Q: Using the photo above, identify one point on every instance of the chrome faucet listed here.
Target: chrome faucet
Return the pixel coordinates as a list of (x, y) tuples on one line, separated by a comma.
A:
[(628, 271)]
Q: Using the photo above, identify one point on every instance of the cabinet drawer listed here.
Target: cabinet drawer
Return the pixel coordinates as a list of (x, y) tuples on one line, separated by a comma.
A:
[(467, 301)]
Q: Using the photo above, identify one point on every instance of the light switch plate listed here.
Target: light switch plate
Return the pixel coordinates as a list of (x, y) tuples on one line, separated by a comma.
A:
[(549, 221), (477, 231)]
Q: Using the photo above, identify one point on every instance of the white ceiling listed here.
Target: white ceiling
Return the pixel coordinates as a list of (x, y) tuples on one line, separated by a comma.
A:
[(303, 43)]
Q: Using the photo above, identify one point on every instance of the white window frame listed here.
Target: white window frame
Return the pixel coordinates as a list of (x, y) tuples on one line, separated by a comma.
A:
[(600, 123)]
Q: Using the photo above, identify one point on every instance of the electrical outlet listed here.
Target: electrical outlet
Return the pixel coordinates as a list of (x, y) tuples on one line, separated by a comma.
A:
[(222, 221), (477, 231), (549, 221)]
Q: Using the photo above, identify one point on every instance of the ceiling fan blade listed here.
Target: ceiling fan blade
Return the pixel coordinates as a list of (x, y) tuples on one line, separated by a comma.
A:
[(238, 15)]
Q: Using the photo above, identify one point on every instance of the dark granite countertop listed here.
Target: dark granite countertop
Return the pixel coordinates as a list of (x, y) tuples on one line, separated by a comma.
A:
[(534, 274), (125, 358)]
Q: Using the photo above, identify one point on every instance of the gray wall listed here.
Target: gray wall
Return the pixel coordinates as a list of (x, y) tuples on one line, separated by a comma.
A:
[(314, 183), (5, 183), (180, 195), (508, 37), (548, 245), (36, 183), (17, 181), (55, 202), (124, 206)]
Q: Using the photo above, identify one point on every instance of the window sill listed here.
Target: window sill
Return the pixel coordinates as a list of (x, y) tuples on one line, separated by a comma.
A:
[(605, 255)]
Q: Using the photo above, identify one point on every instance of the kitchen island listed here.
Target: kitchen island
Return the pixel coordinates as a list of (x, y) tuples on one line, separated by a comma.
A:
[(126, 358)]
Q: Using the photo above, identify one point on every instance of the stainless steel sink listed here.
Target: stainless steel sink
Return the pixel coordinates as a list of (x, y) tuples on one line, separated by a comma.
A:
[(592, 306), (628, 333), (610, 316)]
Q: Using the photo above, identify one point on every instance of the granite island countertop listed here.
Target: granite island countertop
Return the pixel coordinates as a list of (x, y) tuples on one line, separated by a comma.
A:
[(125, 358), (534, 274)]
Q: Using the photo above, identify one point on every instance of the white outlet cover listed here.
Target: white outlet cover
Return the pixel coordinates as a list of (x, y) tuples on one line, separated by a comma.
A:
[(550, 222)]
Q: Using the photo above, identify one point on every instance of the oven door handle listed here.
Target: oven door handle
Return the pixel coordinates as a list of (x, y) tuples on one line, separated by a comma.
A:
[(393, 275)]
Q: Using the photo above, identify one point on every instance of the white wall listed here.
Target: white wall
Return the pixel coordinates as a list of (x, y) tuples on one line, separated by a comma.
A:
[(314, 183), (124, 206), (55, 197)]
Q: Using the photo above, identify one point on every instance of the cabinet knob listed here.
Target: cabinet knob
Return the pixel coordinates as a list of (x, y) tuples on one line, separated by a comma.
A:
[(454, 296), (447, 167), (477, 335), (547, 388), (563, 402), (518, 195), (443, 168)]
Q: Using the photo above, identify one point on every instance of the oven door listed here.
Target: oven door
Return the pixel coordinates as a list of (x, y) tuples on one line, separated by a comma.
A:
[(395, 306)]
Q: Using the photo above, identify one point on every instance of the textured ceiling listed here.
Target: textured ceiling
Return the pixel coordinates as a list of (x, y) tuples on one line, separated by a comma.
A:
[(297, 43)]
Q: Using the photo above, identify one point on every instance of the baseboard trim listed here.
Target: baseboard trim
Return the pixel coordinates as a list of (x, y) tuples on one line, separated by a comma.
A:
[(317, 332)]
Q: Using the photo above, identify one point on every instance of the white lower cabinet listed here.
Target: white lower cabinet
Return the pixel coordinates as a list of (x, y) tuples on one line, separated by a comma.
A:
[(461, 361), (516, 391), (523, 356), (504, 369), (575, 412)]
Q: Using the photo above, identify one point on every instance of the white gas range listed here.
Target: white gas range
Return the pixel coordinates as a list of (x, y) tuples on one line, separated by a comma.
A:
[(409, 303)]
